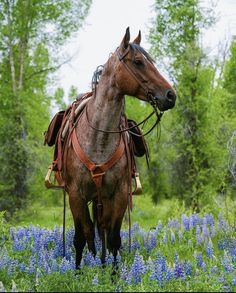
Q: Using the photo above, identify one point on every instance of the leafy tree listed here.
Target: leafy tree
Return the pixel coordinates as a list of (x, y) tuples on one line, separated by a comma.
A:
[(228, 84), (175, 36), (31, 35)]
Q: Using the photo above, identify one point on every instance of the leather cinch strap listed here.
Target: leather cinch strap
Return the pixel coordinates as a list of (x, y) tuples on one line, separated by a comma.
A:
[(97, 170)]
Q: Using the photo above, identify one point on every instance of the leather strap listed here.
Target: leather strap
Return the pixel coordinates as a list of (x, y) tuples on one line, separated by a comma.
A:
[(97, 170), (92, 167)]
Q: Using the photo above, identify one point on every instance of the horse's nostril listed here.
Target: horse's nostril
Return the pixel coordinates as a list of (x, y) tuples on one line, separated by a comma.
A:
[(171, 96)]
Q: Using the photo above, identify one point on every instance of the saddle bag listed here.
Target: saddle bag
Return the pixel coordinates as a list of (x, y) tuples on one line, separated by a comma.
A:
[(139, 143), (51, 134)]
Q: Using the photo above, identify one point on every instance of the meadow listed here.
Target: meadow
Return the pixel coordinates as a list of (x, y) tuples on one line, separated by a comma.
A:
[(188, 252)]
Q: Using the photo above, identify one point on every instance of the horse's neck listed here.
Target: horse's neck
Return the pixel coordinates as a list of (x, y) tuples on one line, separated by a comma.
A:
[(104, 113)]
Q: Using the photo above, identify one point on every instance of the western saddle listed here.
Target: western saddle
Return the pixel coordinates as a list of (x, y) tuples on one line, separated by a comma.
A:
[(61, 126)]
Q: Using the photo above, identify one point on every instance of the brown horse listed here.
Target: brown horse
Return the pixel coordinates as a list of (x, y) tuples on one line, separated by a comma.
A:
[(95, 161)]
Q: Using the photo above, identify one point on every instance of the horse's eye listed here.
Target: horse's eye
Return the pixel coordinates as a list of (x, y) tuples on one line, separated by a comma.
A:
[(138, 62)]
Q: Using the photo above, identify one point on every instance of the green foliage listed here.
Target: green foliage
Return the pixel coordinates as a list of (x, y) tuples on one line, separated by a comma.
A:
[(195, 168), (30, 31)]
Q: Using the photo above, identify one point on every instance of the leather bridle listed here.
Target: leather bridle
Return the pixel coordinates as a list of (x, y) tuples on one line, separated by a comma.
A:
[(151, 99)]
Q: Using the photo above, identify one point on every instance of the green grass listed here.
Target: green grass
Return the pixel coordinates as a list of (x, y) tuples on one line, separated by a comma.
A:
[(48, 213)]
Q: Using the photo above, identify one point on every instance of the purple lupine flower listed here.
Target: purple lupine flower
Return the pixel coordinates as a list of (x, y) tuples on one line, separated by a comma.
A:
[(160, 261), (195, 219), (226, 288), (109, 258), (233, 282), (214, 270), (159, 226), (180, 235), (205, 232), (199, 259), (137, 268), (191, 223), (212, 231), (174, 224), (199, 237), (150, 242), (54, 265), (223, 244), (188, 268), (170, 274), (65, 266), (135, 245), (222, 225), (227, 264), (164, 238), (12, 265), (22, 267), (172, 236), (135, 228), (153, 241), (185, 222), (178, 270), (209, 249), (157, 275), (125, 274), (89, 259), (210, 219)]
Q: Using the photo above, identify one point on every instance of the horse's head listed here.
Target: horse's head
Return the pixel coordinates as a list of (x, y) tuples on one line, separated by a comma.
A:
[(137, 76)]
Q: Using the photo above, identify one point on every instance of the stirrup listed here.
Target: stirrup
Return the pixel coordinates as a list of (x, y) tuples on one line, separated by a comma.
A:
[(138, 189), (47, 180)]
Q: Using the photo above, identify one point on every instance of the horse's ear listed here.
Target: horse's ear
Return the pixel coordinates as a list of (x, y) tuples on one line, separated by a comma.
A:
[(125, 42), (137, 40)]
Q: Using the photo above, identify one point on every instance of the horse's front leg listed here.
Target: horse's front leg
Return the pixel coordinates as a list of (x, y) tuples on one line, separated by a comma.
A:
[(84, 230)]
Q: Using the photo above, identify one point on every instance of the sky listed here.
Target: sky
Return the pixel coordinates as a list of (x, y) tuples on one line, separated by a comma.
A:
[(105, 27)]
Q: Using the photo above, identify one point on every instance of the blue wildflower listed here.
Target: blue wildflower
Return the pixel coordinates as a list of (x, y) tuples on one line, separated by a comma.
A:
[(180, 235), (199, 237), (222, 225), (188, 268), (185, 222), (169, 274), (209, 249), (227, 264), (172, 236), (178, 270), (157, 275), (137, 268), (214, 270), (199, 259)]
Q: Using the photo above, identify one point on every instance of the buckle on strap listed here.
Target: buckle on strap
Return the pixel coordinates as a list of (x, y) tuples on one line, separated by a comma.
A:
[(97, 171)]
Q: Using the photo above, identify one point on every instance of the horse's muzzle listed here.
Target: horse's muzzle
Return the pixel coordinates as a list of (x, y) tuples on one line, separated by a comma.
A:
[(167, 101)]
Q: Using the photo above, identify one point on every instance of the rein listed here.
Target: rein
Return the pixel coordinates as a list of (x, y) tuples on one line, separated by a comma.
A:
[(128, 128)]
